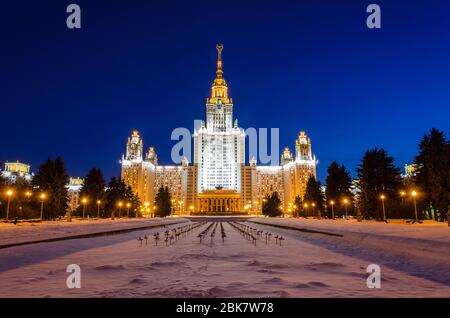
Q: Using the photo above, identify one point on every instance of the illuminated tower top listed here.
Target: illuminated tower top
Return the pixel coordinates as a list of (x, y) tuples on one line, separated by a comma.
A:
[(219, 89), (303, 147), (134, 147)]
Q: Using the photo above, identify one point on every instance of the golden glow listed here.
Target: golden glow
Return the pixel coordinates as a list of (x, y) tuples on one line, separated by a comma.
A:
[(99, 202), (219, 90), (128, 205), (332, 202), (43, 196), (146, 204), (382, 197), (305, 205), (414, 193), (313, 204), (345, 201), (120, 204), (403, 193), (9, 193), (28, 194), (84, 200)]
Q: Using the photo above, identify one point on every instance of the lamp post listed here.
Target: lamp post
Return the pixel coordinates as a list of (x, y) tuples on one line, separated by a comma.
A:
[(383, 197), (120, 209), (98, 208), (147, 209), (181, 205), (42, 196), (128, 209), (9, 194), (306, 210), (414, 195), (332, 209), (313, 209), (345, 204), (402, 195), (84, 206)]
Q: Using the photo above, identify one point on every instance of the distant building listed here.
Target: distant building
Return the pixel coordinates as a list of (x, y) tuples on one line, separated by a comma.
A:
[(14, 170), (410, 171), (74, 187), (218, 181)]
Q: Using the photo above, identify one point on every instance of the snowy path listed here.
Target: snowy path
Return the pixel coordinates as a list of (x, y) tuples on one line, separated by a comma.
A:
[(117, 266)]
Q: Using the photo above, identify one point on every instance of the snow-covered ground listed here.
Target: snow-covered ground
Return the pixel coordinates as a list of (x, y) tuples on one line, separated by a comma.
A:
[(306, 265), (31, 232)]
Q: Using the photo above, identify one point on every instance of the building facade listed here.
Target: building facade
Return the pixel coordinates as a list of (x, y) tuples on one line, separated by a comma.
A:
[(14, 170), (218, 181)]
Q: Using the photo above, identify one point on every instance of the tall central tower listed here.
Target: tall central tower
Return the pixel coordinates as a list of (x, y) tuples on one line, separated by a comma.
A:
[(219, 144)]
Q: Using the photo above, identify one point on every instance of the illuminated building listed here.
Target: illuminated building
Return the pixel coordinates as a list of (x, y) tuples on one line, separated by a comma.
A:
[(14, 170), (218, 181), (73, 189)]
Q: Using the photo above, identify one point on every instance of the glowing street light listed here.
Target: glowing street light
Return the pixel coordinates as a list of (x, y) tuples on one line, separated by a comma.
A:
[(128, 209), (402, 195), (120, 209), (181, 206), (98, 208), (42, 196), (84, 201), (332, 209), (414, 195), (306, 209), (383, 197), (28, 194), (346, 204), (9, 194)]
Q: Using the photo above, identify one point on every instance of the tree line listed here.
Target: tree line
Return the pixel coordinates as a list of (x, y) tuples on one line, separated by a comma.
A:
[(379, 182)]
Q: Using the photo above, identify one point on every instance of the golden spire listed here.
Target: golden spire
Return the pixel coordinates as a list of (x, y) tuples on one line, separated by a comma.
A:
[(219, 90), (219, 71)]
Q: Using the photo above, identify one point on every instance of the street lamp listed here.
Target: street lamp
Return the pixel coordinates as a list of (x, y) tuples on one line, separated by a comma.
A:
[(313, 209), (9, 194), (332, 209), (383, 197), (120, 209), (98, 208), (414, 195), (306, 209), (181, 205), (191, 208), (84, 206), (403, 194), (128, 209), (42, 196), (346, 203)]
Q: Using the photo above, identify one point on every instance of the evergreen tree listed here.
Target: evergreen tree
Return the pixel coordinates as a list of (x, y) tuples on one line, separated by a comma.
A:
[(52, 179), (272, 205), (433, 171), (118, 192), (314, 195), (93, 190), (298, 206), (163, 202), (378, 175), (338, 185)]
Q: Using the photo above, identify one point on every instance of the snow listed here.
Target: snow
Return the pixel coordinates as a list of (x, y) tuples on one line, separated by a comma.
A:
[(414, 262), (31, 232)]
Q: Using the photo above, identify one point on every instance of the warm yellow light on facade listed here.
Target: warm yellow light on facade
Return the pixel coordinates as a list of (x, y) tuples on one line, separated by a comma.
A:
[(146, 204)]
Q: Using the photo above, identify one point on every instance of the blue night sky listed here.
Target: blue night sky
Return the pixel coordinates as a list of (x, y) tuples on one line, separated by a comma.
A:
[(149, 65)]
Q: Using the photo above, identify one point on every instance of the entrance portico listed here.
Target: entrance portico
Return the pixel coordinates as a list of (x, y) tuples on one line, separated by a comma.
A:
[(221, 201)]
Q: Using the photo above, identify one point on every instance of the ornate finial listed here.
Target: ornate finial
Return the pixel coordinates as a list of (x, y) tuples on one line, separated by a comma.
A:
[(219, 48)]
